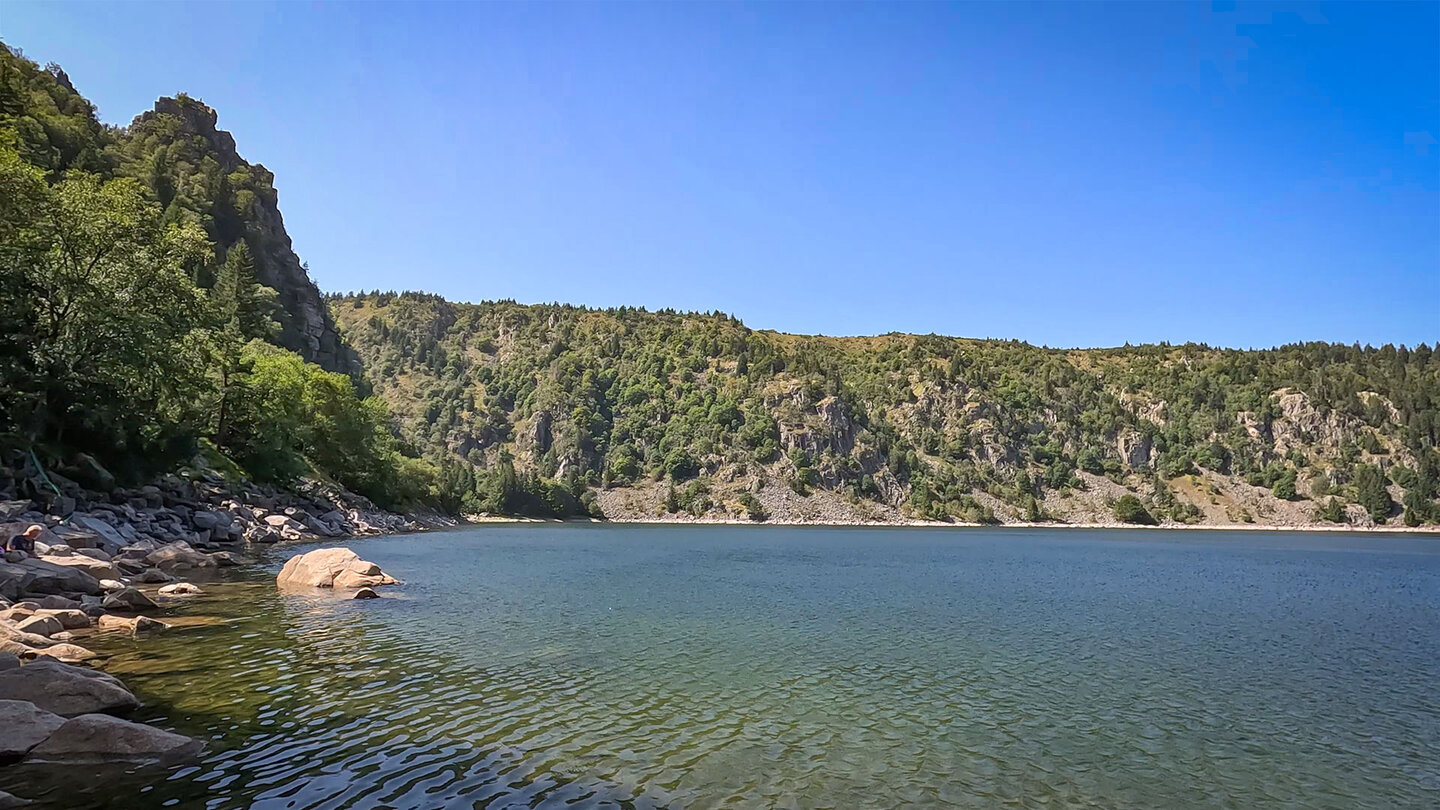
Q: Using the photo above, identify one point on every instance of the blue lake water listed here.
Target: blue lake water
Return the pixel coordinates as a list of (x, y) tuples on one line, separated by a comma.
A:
[(683, 666)]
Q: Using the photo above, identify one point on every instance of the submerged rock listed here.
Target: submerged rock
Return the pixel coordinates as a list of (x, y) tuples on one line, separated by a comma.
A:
[(23, 725), (332, 568), (366, 593), (133, 624), (68, 653), (66, 690), (101, 738), (181, 589)]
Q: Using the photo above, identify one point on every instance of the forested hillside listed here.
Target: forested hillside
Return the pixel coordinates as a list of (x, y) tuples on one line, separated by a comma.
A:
[(153, 310), (560, 409)]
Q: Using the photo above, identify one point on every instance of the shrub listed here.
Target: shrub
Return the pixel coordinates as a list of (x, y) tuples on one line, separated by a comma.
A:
[(1129, 509)]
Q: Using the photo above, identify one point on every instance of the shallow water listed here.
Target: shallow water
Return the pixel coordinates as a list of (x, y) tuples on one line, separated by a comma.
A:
[(619, 666)]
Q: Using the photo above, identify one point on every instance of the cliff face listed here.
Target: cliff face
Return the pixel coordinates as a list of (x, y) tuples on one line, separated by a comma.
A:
[(194, 169)]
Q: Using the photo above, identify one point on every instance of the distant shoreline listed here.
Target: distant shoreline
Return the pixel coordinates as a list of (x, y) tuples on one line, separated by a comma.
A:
[(1434, 531)]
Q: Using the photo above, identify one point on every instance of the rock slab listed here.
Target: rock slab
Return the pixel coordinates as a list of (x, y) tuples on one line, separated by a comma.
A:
[(102, 738), (66, 690)]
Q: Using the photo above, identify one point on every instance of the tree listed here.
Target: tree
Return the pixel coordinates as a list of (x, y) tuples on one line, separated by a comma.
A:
[(240, 300), (1371, 492), (1129, 509), (1284, 488), (110, 323), (1332, 511)]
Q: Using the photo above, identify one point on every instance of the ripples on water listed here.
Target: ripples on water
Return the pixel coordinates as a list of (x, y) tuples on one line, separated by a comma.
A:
[(575, 666)]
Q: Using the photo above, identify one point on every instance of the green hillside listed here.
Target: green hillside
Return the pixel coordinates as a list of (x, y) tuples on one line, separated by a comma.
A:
[(579, 401)]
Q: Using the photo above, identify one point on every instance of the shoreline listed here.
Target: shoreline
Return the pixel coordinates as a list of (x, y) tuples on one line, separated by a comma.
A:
[(482, 520)]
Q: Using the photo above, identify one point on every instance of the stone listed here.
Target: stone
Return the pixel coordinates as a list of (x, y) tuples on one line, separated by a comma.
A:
[(129, 600), (9, 661), (181, 589), (55, 602), (111, 538), (179, 554), (69, 618), (228, 559), (66, 690), (94, 554), (14, 649), (24, 726), (40, 625), (153, 576), (69, 653), (95, 738), (9, 801), (111, 585), (206, 520), (366, 593), (10, 632), (11, 509), (331, 568)]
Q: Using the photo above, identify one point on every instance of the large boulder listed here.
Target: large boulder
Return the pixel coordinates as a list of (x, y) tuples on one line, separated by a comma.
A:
[(100, 738), (66, 690), (23, 725), (331, 568), (45, 576)]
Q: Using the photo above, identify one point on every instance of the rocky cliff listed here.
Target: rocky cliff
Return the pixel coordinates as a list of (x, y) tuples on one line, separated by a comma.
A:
[(194, 169)]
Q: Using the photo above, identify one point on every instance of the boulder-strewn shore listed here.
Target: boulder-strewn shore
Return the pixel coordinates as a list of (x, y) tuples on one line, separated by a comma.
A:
[(114, 561)]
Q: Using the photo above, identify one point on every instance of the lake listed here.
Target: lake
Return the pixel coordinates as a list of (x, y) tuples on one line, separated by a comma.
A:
[(544, 665)]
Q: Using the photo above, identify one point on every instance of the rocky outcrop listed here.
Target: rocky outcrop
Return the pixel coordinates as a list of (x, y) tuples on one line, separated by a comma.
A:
[(1136, 450), (252, 214), (331, 568)]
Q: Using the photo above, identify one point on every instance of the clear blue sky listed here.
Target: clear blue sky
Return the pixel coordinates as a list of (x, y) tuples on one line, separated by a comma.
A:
[(1064, 174)]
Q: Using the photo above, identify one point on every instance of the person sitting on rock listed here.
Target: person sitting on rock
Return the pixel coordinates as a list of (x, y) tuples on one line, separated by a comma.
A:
[(25, 541)]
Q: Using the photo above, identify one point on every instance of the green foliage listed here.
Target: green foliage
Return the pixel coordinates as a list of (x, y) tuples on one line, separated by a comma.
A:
[(1129, 509), (753, 508), (124, 340), (1284, 487), (1370, 492), (1332, 510)]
